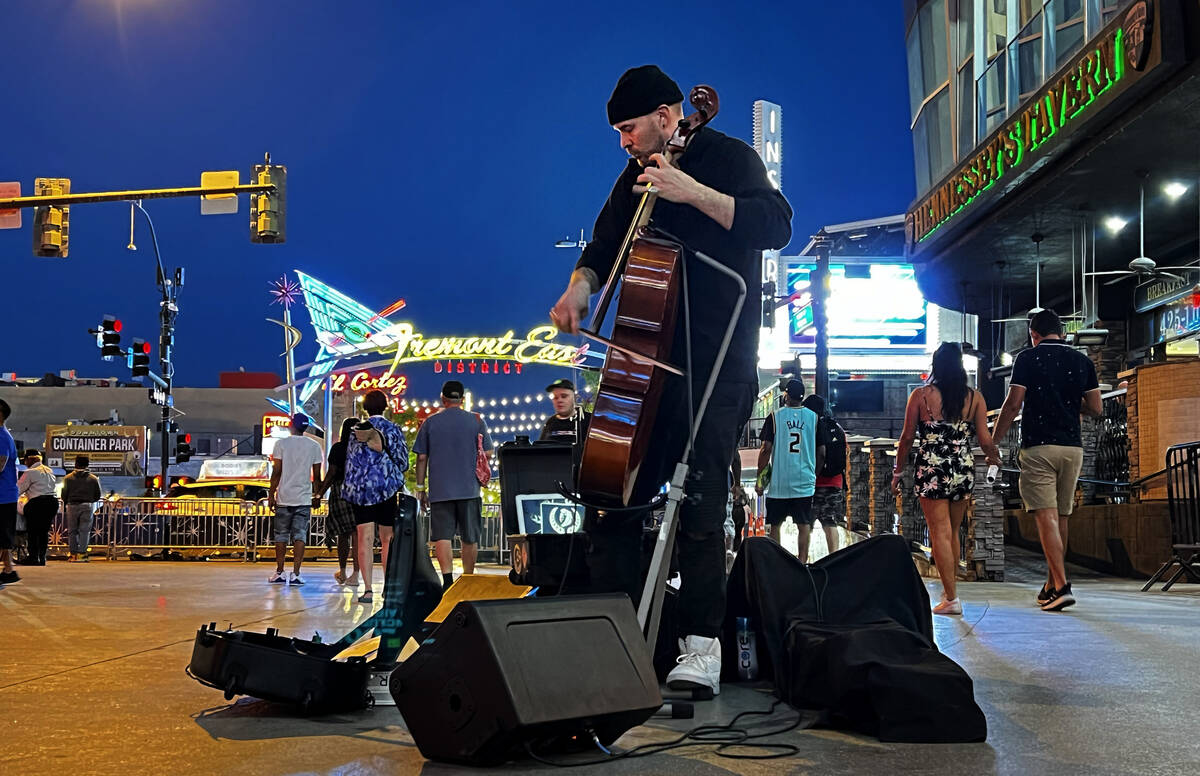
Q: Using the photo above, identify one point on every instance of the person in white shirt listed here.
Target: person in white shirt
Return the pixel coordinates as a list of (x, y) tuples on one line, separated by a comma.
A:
[(38, 504), (296, 465)]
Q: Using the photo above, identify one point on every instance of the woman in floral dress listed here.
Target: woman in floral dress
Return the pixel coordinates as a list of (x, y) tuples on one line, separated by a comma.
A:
[(943, 415)]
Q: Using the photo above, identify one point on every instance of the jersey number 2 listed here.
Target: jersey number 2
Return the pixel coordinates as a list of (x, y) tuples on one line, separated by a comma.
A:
[(794, 447)]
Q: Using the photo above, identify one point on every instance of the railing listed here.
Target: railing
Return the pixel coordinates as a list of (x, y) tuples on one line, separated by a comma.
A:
[(1112, 440), (219, 526)]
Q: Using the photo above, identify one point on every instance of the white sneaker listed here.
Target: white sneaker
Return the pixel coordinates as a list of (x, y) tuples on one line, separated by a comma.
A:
[(699, 665), (294, 578), (276, 578)]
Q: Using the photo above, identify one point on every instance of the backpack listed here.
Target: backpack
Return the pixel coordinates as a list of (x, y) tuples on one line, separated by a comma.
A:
[(835, 453)]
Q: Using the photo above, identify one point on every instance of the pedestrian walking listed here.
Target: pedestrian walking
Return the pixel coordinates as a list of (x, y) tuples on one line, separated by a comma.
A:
[(829, 497), (376, 460), (1054, 383), (40, 505), (8, 497), (295, 465), (943, 415), (450, 445), (789, 447), (80, 492), (339, 523)]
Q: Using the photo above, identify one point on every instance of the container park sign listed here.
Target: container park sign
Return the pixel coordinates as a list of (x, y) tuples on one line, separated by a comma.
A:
[(115, 450)]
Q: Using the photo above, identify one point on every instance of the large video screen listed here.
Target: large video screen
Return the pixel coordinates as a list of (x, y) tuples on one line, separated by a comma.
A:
[(870, 306)]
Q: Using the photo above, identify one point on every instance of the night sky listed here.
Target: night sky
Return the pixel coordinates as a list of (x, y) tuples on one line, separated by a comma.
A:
[(433, 154)]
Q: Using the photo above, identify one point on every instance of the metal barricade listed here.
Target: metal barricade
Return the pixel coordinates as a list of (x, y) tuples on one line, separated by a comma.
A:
[(216, 525)]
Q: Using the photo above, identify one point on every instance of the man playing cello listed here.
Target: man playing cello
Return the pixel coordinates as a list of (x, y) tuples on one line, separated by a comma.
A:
[(718, 201)]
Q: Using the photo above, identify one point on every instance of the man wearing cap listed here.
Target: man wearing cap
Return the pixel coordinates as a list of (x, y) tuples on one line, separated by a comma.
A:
[(447, 447), (718, 201), (80, 491), (568, 425), (790, 446), (295, 465)]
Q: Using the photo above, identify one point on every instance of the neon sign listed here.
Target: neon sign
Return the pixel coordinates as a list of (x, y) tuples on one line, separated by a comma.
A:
[(1093, 73), (347, 329), (394, 385)]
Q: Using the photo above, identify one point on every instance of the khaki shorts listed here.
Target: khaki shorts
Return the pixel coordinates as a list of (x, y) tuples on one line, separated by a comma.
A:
[(1048, 477)]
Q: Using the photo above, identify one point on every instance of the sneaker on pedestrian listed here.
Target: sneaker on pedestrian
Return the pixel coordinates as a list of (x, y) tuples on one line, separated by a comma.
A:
[(699, 665), (949, 606), (277, 578), (8, 577), (294, 578), (1044, 595), (1059, 599)]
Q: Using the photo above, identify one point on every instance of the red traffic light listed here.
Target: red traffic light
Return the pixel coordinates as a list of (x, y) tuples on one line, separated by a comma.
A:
[(144, 347), (187, 439)]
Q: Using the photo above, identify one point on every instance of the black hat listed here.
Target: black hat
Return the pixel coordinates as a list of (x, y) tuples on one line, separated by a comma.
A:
[(639, 91), (561, 383), (301, 421), (795, 389), (30, 452), (452, 389)]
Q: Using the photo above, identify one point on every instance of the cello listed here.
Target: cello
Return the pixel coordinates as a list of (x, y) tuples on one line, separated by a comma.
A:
[(635, 371)]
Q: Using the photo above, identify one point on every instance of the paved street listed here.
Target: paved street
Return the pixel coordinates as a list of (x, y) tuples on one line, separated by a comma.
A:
[(92, 682)]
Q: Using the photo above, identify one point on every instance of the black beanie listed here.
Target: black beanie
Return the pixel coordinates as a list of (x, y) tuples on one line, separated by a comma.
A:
[(640, 91)]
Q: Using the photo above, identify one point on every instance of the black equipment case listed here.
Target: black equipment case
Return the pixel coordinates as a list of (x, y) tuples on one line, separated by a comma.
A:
[(278, 668)]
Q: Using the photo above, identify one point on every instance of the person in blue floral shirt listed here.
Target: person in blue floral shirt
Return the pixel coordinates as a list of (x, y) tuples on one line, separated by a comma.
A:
[(376, 460)]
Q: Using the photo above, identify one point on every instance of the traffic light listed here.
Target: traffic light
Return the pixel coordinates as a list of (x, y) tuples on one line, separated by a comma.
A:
[(768, 304), (139, 359), (183, 448), (51, 225), (268, 209), (110, 337)]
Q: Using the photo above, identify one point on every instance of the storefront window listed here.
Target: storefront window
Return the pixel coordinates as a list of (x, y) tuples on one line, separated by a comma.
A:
[(992, 95), (932, 140), (996, 32), (965, 98), (1068, 29), (1110, 8), (1028, 56), (927, 69)]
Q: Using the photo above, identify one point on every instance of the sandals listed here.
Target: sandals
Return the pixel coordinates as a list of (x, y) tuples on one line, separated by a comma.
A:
[(366, 598), (339, 577)]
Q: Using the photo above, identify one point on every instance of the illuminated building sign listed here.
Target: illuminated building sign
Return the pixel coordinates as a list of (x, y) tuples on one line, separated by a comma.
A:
[(347, 329), (870, 306), (768, 142), (394, 385), (1104, 68)]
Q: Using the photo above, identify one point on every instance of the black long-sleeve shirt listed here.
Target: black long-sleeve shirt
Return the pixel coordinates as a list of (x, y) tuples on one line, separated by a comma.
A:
[(762, 220)]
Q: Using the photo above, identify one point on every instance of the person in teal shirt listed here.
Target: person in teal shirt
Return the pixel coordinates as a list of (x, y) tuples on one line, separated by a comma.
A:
[(789, 445)]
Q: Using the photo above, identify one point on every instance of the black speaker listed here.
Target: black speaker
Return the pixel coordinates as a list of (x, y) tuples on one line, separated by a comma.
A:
[(541, 561), (499, 676), (527, 469)]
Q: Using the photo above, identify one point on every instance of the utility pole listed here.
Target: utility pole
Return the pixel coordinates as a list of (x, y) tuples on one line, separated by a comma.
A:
[(820, 298)]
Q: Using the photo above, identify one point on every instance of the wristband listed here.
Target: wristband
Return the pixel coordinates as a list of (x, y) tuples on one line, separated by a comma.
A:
[(420, 489)]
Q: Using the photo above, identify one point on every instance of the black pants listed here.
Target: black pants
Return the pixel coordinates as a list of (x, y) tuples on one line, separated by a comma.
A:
[(39, 514), (615, 541)]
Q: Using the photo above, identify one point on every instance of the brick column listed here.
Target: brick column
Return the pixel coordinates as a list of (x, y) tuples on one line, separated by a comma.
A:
[(858, 493), (984, 548), (883, 503)]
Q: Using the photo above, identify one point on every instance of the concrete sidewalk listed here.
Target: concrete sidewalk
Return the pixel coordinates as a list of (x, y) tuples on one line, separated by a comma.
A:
[(92, 682)]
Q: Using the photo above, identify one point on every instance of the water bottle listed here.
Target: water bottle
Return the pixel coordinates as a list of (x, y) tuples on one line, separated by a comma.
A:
[(747, 653), (992, 472)]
